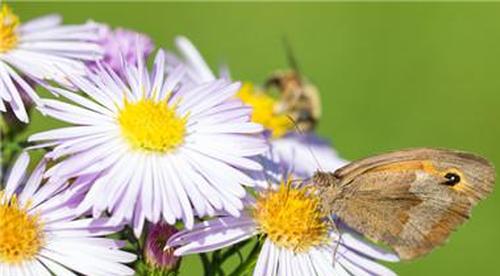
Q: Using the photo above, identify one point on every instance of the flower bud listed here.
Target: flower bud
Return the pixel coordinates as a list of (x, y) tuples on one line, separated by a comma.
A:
[(156, 257)]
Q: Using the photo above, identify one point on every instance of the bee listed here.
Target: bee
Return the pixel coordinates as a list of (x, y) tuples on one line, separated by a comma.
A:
[(297, 97)]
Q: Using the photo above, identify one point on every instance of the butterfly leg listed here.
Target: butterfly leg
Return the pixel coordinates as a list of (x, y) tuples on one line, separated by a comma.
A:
[(336, 229)]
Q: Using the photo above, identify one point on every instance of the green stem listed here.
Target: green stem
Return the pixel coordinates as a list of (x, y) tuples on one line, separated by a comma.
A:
[(243, 269), (129, 234), (216, 263), (10, 150), (206, 263), (234, 249)]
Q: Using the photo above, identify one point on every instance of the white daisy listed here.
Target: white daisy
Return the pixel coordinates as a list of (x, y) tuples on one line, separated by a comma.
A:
[(40, 233), (159, 148), (297, 239), (40, 49)]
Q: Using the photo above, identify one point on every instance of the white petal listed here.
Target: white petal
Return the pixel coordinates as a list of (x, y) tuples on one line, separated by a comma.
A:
[(368, 249), (194, 59), (263, 261), (17, 172), (42, 22), (33, 182), (56, 268), (216, 240)]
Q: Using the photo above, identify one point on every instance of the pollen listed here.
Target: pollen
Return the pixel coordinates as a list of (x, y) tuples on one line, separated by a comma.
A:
[(8, 29), (21, 235), (291, 218), (264, 107), (152, 125)]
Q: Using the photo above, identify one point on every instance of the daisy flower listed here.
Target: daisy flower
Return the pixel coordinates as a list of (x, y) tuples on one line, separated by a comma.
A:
[(159, 148), (121, 44), (39, 49), (40, 233), (297, 237)]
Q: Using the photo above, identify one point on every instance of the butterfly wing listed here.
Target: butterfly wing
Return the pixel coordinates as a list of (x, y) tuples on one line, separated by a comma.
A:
[(411, 200)]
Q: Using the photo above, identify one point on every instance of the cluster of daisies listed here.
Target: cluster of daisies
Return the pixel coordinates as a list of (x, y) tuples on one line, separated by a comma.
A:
[(156, 163)]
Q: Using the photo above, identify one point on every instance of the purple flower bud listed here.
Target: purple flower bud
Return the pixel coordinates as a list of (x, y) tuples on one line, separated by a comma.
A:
[(122, 43), (156, 257)]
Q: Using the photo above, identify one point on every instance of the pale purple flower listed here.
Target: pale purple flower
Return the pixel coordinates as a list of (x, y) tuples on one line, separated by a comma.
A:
[(353, 256), (121, 45), (287, 249), (155, 255), (159, 148), (41, 233), (40, 49)]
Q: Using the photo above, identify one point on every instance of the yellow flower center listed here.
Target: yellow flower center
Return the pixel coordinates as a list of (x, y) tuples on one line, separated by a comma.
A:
[(152, 126), (291, 218), (8, 26), (263, 111), (21, 235)]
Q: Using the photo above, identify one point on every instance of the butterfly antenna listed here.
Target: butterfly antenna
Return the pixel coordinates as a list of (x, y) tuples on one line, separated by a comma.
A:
[(301, 132)]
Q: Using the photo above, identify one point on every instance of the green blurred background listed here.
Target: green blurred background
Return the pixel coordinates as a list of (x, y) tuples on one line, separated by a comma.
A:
[(391, 76)]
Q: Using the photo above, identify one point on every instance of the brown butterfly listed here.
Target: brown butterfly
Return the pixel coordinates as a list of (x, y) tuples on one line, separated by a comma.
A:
[(410, 200)]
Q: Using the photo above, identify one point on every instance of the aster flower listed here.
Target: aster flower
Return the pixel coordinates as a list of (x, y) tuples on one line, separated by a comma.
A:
[(39, 49), (159, 148), (297, 237), (121, 44), (40, 233)]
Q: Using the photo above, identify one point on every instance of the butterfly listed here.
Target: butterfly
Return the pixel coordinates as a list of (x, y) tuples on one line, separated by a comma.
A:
[(410, 200)]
